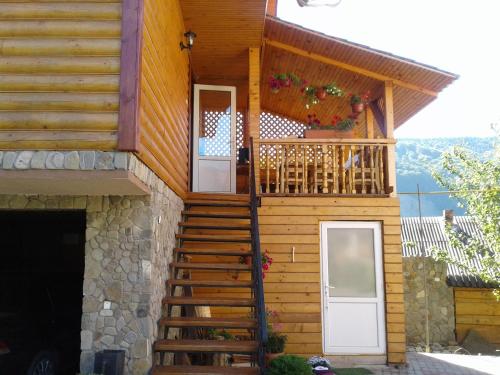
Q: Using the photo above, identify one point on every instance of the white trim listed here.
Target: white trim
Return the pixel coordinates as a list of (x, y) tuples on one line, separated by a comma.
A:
[(379, 275), (196, 134)]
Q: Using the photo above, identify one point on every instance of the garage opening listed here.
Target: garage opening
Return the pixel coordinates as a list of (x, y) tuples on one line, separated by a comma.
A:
[(41, 280)]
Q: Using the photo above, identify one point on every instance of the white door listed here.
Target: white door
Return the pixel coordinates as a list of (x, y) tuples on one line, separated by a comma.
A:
[(214, 139), (352, 285)]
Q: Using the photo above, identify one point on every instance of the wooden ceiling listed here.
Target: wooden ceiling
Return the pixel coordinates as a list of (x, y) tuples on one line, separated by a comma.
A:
[(321, 59), (225, 30)]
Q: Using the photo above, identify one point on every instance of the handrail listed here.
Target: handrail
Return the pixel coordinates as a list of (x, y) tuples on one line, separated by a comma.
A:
[(258, 280), (340, 141)]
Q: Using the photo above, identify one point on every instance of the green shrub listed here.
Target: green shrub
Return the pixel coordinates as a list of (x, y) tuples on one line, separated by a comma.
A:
[(275, 342), (290, 365)]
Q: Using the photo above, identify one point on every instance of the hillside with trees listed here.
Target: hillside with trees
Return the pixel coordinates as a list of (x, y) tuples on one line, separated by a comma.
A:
[(415, 160)]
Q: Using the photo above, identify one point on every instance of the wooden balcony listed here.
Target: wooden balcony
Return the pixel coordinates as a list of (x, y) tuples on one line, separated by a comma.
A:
[(355, 167)]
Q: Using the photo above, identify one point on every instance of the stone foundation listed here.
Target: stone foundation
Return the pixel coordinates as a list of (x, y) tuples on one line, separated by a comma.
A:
[(129, 243), (440, 302)]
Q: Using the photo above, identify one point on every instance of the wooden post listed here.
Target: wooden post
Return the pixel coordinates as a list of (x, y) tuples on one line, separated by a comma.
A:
[(254, 106), (389, 130)]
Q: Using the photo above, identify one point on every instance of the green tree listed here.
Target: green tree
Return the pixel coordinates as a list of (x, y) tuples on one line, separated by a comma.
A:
[(476, 184)]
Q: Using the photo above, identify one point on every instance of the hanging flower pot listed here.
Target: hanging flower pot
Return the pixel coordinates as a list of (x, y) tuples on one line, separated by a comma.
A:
[(321, 93), (357, 108)]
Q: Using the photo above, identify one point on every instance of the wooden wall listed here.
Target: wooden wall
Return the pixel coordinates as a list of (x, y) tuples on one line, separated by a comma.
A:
[(164, 108), (477, 309), (293, 289), (59, 74)]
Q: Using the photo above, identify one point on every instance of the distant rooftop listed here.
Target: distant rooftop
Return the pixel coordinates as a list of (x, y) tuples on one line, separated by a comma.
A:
[(433, 235)]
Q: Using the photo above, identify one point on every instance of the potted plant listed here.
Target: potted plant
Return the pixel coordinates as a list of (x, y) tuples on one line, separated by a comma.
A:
[(358, 102), (290, 365), (339, 128), (275, 346), (275, 341)]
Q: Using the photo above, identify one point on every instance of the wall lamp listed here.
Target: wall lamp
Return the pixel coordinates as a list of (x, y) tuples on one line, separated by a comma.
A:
[(189, 40)]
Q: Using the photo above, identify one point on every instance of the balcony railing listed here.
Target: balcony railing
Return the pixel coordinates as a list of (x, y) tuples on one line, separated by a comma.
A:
[(323, 166)]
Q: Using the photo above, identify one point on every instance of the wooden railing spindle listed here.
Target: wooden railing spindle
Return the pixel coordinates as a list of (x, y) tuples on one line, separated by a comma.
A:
[(296, 169), (363, 186), (372, 171), (381, 169), (334, 169), (324, 150), (268, 156)]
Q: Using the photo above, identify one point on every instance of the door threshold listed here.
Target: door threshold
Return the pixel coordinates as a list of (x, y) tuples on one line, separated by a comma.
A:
[(353, 360)]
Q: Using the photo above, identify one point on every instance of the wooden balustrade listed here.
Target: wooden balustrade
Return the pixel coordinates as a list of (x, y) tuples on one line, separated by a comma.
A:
[(312, 166)]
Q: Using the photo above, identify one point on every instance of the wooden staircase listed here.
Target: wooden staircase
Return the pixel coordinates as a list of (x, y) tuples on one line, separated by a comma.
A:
[(215, 233)]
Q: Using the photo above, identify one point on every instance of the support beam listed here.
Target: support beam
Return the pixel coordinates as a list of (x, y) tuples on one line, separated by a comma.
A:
[(254, 104), (351, 68), (130, 75), (389, 133), (379, 116)]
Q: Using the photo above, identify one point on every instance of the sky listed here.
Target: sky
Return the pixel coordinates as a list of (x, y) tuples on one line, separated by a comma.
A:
[(459, 36)]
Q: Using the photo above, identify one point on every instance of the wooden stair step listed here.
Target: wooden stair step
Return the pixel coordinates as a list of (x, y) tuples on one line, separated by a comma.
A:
[(199, 301), (216, 203), (223, 197), (212, 266), (211, 283), (214, 238), (178, 322), (205, 370), (206, 346), (228, 226), (224, 252), (216, 215)]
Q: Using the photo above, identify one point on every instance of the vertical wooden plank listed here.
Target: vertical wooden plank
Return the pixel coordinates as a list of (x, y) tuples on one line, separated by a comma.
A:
[(372, 170), (254, 104), (389, 129), (130, 75), (315, 190), (268, 156), (324, 151), (279, 168), (381, 181), (352, 183), (363, 185), (335, 169), (296, 150), (304, 170), (342, 166)]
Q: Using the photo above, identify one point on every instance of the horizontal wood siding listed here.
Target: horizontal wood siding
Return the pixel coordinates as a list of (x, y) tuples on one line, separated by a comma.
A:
[(477, 309), (164, 109), (293, 288), (59, 74)]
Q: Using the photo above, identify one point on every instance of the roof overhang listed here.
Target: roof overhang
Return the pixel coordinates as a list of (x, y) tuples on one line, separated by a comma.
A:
[(322, 59)]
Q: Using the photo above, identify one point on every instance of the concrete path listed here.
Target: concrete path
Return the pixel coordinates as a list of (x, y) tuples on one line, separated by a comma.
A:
[(443, 364)]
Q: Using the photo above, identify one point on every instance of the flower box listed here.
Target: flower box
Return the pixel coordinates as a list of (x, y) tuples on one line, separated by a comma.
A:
[(327, 133)]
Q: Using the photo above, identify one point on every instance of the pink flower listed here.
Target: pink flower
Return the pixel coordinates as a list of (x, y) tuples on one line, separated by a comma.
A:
[(265, 266)]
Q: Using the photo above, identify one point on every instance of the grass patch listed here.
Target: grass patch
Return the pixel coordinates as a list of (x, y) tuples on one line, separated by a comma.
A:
[(352, 371)]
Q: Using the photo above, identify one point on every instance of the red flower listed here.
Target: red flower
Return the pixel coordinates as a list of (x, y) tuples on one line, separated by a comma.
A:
[(265, 266)]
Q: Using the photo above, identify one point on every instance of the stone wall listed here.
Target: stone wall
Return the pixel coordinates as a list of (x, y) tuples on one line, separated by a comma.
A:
[(129, 242), (440, 302)]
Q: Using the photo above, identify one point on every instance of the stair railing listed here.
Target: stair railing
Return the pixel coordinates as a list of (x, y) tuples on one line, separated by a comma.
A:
[(260, 307)]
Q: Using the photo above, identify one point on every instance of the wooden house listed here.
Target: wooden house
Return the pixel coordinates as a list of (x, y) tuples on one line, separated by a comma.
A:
[(107, 109)]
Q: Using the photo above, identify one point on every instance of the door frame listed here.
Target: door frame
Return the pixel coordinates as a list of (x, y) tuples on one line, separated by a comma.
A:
[(196, 133), (379, 280)]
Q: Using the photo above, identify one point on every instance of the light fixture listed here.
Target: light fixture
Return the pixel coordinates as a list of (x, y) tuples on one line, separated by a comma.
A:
[(319, 3), (189, 40)]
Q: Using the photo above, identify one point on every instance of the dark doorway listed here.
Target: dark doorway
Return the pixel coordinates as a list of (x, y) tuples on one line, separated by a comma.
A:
[(42, 258)]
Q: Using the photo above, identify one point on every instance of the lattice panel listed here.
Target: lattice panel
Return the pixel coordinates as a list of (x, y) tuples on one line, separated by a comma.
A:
[(214, 139), (273, 127)]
